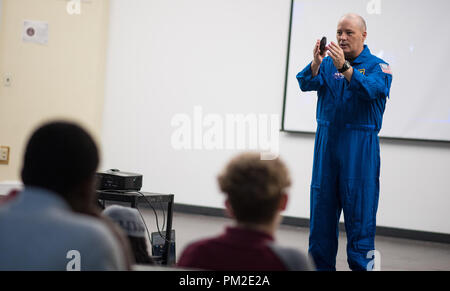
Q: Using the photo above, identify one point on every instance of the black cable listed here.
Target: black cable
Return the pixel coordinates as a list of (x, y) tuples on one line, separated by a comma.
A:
[(139, 211), (148, 202), (143, 220), (142, 217), (156, 215), (164, 215)]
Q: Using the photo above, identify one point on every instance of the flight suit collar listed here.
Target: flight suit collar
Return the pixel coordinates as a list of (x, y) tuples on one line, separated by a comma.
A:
[(362, 56)]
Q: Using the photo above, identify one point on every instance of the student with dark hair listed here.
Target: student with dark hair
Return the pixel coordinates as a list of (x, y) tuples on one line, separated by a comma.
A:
[(256, 194), (132, 224), (55, 215)]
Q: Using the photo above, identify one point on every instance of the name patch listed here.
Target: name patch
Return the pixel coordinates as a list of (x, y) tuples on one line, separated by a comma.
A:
[(338, 76)]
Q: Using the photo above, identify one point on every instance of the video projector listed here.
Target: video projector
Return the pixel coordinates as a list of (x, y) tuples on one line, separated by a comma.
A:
[(120, 181)]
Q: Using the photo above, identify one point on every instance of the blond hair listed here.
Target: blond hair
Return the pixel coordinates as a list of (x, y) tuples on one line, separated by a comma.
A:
[(254, 187)]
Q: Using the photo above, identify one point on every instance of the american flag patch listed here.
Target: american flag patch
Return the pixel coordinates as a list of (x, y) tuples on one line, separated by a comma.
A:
[(386, 69)]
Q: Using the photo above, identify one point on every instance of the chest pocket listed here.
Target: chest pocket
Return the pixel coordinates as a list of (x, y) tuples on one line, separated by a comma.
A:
[(335, 82), (340, 86)]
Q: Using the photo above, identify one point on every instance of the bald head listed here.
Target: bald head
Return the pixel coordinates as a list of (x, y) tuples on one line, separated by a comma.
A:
[(351, 34), (356, 19)]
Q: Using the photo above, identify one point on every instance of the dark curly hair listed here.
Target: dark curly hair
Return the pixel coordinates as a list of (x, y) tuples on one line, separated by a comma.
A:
[(254, 187), (59, 155)]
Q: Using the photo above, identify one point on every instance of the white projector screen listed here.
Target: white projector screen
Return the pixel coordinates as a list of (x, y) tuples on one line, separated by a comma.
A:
[(413, 36)]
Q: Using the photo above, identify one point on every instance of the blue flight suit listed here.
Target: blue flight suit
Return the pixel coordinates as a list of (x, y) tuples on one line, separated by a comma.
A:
[(346, 165)]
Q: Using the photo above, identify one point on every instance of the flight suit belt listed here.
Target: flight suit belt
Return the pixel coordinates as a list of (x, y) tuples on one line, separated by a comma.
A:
[(368, 127)]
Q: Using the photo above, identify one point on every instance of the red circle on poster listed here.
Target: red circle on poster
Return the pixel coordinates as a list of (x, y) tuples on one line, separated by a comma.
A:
[(30, 31)]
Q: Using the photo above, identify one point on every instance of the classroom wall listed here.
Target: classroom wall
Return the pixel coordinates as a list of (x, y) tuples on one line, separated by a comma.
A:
[(63, 79), (165, 58), (229, 57)]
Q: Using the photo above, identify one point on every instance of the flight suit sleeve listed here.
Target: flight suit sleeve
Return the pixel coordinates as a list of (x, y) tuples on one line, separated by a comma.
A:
[(376, 84), (309, 83)]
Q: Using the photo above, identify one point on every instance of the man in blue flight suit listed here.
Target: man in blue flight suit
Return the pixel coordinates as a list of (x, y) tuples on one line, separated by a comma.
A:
[(352, 87)]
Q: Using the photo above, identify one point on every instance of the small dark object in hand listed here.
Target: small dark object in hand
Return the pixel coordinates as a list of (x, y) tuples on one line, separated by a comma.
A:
[(323, 43)]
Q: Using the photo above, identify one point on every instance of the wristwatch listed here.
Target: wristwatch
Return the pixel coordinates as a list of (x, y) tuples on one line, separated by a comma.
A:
[(345, 67)]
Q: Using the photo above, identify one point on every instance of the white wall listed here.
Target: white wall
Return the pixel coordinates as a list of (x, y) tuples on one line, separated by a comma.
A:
[(229, 56)]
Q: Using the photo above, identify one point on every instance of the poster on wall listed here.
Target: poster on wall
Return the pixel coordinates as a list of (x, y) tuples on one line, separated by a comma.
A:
[(35, 32)]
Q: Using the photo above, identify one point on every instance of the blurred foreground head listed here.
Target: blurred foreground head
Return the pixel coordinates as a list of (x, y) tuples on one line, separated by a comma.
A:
[(255, 188), (61, 157), (131, 222)]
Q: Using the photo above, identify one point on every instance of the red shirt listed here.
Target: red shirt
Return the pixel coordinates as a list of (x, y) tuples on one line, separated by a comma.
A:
[(237, 249), (5, 199)]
